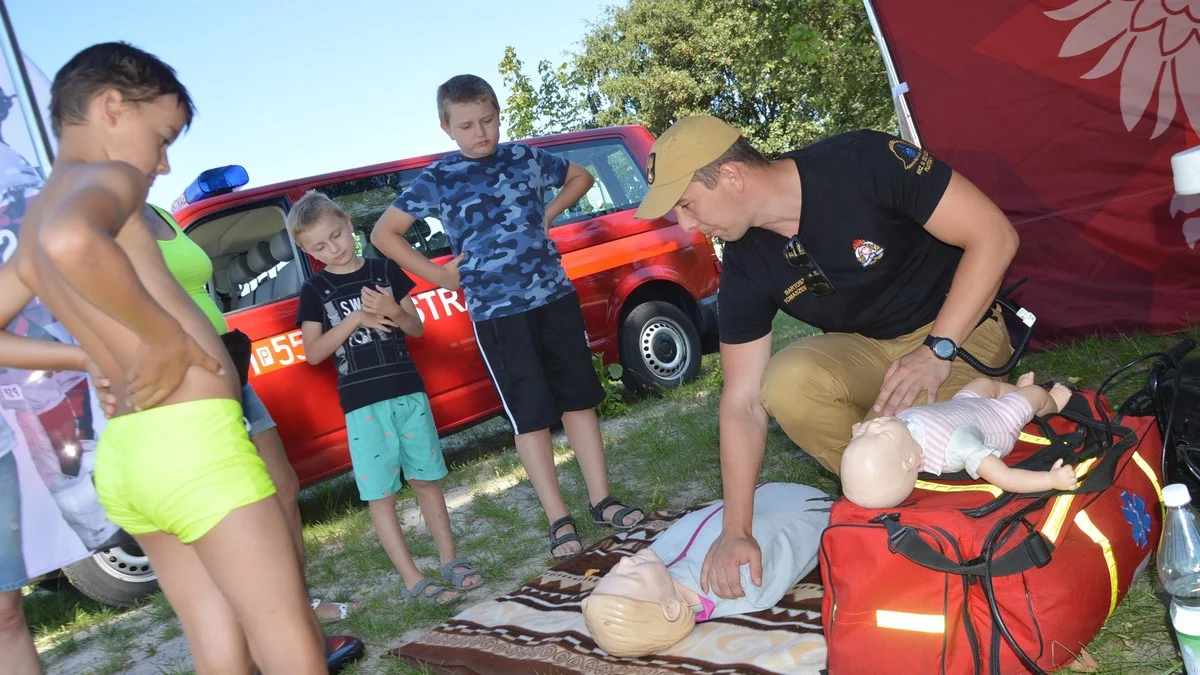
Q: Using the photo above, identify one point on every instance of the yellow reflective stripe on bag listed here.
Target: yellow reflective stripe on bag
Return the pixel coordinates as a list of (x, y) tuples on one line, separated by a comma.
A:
[(917, 623), (1030, 438), (1089, 528), (978, 487), (1145, 467), (946, 487), (1062, 506)]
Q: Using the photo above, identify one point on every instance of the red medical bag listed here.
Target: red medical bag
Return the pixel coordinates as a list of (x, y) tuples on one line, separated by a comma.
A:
[(965, 578)]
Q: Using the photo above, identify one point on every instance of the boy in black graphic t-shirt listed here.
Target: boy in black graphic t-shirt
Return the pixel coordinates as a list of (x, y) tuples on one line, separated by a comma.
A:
[(351, 311)]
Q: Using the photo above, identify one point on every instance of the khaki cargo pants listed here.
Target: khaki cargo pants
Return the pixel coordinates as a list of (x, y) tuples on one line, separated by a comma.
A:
[(820, 386)]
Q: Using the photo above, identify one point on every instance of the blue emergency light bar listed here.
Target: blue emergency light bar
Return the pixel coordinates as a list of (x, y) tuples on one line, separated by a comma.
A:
[(211, 183)]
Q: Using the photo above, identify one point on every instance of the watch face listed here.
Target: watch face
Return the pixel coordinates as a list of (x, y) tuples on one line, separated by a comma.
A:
[(943, 348)]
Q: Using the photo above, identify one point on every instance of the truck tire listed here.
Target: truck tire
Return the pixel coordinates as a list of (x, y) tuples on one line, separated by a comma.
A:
[(660, 347), (117, 576)]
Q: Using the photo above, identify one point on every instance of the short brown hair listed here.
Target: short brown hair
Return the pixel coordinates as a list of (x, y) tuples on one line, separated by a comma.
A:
[(464, 89), (740, 151), (306, 212), (139, 76)]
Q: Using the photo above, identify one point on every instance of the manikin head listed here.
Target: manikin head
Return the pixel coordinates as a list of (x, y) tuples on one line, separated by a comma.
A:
[(880, 465), (635, 609)]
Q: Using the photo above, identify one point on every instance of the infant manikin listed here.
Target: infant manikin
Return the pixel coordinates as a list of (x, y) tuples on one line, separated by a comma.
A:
[(972, 431), (651, 600)]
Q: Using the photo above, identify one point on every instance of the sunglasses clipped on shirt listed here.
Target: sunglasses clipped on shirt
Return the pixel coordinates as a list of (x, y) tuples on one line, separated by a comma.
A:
[(815, 280)]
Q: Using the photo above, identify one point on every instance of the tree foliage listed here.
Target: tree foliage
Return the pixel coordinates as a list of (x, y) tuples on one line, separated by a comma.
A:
[(554, 106), (785, 72), (520, 108)]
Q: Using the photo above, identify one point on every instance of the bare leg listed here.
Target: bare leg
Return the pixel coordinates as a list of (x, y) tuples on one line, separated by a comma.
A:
[(391, 537), (287, 485), (287, 490), (537, 456), (1043, 402), (1060, 396), (214, 636), (989, 388), (583, 432), (433, 509), (268, 597), (16, 643)]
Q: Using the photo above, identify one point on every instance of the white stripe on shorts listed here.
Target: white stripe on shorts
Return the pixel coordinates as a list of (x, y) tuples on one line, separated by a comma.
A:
[(495, 383)]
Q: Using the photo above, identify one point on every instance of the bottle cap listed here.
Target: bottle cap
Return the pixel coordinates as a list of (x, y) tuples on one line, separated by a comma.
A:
[(1176, 494)]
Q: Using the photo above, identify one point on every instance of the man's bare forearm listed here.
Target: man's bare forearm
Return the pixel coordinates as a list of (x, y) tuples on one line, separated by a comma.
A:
[(974, 287), (743, 431)]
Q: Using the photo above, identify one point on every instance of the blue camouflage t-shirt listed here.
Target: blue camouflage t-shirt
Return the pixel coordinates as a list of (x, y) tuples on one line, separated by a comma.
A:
[(493, 209)]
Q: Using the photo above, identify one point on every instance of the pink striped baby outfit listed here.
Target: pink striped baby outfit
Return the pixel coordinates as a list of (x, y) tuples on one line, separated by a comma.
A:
[(958, 434)]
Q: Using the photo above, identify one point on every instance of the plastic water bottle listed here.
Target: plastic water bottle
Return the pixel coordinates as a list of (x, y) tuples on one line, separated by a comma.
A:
[(1179, 570)]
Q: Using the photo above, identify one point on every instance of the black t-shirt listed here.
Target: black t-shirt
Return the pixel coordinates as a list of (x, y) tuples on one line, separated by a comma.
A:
[(372, 366), (866, 197)]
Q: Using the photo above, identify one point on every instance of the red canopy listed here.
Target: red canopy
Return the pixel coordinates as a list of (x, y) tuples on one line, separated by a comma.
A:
[(1066, 113)]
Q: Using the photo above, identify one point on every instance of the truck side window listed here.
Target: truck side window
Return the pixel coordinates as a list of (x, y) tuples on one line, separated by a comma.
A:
[(365, 199), (619, 185)]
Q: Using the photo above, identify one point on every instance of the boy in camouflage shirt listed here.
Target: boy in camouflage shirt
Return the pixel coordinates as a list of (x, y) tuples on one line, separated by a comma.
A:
[(526, 315)]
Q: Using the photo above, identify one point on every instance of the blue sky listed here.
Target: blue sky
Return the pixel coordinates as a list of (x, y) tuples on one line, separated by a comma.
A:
[(299, 87)]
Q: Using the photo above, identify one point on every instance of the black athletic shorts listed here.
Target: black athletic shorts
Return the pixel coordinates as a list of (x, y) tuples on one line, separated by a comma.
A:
[(541, 363)]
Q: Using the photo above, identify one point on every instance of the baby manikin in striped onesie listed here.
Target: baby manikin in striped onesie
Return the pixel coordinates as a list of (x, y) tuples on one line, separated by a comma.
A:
[(958, 434)]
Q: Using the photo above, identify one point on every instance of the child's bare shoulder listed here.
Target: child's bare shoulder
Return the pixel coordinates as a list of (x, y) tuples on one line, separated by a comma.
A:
[(118, 180)]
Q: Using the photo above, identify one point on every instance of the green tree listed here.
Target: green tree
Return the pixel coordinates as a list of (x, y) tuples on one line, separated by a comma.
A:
[(520, 108), (785, 72), (555, 106)]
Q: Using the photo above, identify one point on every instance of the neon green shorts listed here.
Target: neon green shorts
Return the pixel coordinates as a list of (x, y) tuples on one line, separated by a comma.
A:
[(391, 435), (179, 468)]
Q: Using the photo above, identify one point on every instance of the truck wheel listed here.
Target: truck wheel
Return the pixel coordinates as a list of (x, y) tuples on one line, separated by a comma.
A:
[(116, 576), (660, 347)]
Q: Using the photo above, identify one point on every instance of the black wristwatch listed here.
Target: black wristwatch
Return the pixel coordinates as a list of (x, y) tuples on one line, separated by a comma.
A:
[(943, 348)]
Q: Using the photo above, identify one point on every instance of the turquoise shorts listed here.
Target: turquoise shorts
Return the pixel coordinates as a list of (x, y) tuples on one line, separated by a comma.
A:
[(391, 435)]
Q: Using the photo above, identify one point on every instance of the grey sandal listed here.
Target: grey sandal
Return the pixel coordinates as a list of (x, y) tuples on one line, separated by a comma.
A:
[(572, 536), (418, 594), (618, 518), (456, 579)]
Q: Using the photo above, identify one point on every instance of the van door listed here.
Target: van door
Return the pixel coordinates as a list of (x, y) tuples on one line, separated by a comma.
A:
[(256, 282)]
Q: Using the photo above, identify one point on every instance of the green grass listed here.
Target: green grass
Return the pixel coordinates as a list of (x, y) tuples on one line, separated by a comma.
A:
[(115, 637), (387, 615), (170, 632), (662, 455), (66, 611), (112, 664), (388, 666), (179, 669), (501, 515), (159, 608), (69, 644)]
